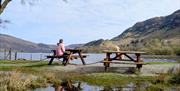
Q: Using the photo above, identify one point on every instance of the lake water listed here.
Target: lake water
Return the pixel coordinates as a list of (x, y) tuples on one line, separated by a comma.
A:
[(91, 58), (87, 87), (83, 86)]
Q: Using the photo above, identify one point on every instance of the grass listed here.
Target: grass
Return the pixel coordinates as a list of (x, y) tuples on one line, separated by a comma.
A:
[(41, 76), (115, 80), (17, 61), (175, 76), (37, 76), (15, 82), (109, 79), (151, 63)]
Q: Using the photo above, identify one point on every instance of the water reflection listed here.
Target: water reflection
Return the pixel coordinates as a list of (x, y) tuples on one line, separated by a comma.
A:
[(93, 57), (67, 85), (108, 88), (138, 86)]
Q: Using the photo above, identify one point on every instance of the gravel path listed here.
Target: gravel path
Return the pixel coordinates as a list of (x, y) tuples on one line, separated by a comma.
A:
[(120, 68)]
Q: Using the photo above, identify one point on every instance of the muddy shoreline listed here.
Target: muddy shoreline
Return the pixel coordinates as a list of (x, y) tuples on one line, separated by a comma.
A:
[(117, 68)]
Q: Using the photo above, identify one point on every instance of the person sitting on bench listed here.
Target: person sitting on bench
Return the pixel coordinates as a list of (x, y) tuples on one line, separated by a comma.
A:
[(60, 48)]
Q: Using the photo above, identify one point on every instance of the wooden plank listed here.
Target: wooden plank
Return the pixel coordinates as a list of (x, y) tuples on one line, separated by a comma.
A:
[(50, 62), (73, 56), (77, 56), (73, 50), (54, 56), (116, 62), (128, 52), (82, 59), (129, 57), (125, 60), (67, 59)]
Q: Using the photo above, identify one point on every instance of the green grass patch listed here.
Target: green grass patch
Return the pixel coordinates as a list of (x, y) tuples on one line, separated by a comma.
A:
[(156, 87), (45, 76), (18, 61), (151, 63), (109, 79), (26, 63)]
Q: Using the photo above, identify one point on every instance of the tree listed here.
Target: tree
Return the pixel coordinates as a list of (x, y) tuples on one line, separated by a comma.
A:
[(6, 2), (3, 5)]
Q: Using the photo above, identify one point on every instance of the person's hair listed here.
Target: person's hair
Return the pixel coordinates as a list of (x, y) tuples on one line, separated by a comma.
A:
[(60, 40)]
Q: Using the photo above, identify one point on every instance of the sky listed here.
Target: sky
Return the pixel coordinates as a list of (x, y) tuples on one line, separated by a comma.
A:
[(79, 21)]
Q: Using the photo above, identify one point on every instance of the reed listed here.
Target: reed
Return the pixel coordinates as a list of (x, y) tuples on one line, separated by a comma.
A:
[(175, 78), (15, 81)]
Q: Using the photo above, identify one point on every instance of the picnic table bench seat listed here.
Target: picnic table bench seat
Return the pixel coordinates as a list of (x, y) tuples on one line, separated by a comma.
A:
[(63, 56), (119, 56), (70, 54), (122, 62)]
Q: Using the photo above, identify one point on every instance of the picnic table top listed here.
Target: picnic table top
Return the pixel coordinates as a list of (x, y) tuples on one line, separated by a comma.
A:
[(73, 49), (129, 52)]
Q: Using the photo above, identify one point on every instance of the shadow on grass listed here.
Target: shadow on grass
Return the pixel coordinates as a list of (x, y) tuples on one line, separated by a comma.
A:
[(44, 65), (97, 69)]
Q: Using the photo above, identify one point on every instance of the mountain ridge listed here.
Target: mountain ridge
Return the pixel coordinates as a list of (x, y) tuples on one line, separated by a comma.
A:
[(8, 41), (154, 34), (158, 33)]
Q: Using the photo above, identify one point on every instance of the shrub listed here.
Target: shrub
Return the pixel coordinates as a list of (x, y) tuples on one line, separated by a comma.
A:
[(154, 88), (15, 82), (177, 51), (175, 79)]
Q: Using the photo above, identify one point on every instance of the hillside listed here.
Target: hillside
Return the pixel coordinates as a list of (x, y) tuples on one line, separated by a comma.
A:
[(73, 46), (159, 27), (158, 33), (17, 44), (98, 45)]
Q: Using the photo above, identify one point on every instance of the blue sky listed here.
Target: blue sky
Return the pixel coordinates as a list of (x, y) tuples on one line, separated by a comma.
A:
[(79, 21)]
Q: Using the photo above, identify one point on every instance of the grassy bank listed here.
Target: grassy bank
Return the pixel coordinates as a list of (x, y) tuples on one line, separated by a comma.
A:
[(151, 63), (33, 74), (21, 75), (115, 80), (110, 79)]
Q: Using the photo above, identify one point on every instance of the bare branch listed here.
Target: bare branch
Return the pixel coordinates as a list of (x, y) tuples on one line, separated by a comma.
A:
[(0, 3), (3, 5), (3, 23)]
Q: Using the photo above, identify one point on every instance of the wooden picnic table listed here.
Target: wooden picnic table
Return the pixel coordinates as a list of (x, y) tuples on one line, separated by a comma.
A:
[(118, 55), (69, 54)]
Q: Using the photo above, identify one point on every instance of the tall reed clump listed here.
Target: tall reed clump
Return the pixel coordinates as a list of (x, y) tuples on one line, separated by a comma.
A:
[(175, 78), (15, 82)]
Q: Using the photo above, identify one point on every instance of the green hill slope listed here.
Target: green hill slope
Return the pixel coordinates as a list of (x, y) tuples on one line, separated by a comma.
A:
[(159, 35)]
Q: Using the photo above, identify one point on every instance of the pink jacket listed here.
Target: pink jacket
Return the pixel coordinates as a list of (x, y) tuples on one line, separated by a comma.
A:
[(60, 49)]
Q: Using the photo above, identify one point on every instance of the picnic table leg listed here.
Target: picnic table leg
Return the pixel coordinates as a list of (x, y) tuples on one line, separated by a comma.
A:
[(50, 62), (119, 56), (139, 66), (107, 64), (66, 60), (82, 59)]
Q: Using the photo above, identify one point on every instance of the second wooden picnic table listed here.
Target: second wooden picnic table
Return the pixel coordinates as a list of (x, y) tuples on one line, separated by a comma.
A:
[(68, 55), (118, 55)]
